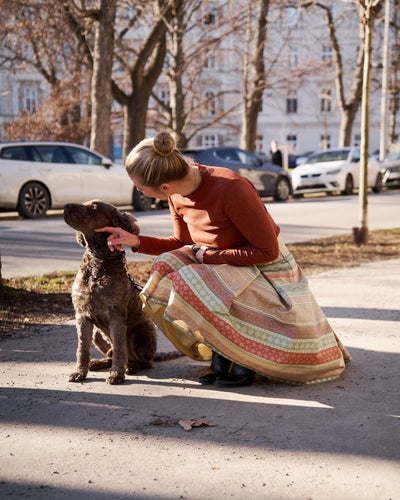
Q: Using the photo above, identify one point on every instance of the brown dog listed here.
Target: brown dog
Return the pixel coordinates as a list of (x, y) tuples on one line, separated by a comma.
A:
[(107, 305)]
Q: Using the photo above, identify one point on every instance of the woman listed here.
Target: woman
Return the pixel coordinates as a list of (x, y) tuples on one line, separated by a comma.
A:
[(225, 287)]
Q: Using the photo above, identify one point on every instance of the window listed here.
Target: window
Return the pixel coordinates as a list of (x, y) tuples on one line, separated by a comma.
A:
[(164, 96), (52, 154), (293, 57), (82, 156), (15, 153), (326, 55), (291, 103), (292, 142), (228, 154), (210, 103), (325, 141), (29, 99), (394, 102), (357, 140), (210, 17), (211, 61), (326, 101), (209, 140), (259, 142)]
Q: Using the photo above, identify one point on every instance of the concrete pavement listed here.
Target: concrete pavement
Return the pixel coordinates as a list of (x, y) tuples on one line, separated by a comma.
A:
[(339, 440)]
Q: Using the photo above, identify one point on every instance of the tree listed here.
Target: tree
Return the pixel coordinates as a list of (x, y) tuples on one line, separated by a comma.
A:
[(349, 106), (140, 65), (394, 86), (101, 96), (33, 36), (195, 37), (253, 72), (369, 11)]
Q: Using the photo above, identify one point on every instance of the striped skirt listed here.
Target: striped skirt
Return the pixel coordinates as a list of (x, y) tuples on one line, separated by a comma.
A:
[(263, 317)]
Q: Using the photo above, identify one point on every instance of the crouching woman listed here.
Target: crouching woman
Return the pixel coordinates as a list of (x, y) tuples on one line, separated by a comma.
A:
[(224, 287)]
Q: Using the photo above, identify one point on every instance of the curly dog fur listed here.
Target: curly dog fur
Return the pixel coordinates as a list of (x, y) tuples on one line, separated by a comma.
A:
[(108, 308)]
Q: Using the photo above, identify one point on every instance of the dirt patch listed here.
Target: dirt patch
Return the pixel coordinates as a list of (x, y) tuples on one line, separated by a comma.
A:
[(46, 299)]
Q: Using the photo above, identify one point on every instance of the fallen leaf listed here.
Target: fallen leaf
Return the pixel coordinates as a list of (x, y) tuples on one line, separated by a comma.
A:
[(189, 424)]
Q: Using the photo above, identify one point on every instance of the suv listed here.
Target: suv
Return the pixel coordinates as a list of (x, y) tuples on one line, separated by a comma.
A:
[(36, 176)]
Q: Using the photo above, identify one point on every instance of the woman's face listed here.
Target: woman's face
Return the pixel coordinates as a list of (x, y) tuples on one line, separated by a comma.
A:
[(150, 192)]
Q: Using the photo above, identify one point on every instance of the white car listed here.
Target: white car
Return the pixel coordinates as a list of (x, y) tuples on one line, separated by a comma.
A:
[(333, 170), (36, 176)]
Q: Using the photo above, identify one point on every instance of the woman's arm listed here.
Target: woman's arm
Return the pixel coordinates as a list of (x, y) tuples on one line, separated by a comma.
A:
[(247, 212)]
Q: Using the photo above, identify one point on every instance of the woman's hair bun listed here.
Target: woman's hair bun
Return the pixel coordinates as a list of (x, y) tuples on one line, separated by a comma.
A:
[(164, 143)]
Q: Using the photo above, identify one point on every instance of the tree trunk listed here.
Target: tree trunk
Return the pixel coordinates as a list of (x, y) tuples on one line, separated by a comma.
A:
[(253, 76), (346, 123), (101, 96), (177, 99), (360, 234)]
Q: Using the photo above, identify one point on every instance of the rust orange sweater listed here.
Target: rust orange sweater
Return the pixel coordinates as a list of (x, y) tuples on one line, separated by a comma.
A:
[(225, 214)]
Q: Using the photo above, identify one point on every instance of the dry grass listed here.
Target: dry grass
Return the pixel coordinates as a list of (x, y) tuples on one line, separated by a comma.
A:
[(45, 299)]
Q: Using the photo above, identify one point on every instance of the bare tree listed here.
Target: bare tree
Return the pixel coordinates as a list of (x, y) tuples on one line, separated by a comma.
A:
[(195, 37), (140, 65), (33, 36), (349, 106), (101, 96), (394, 85), (369, 12), (253, 72)]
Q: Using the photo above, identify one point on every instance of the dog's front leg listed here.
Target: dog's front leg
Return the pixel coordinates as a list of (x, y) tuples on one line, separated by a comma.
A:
[(119, 353), (85, 332)]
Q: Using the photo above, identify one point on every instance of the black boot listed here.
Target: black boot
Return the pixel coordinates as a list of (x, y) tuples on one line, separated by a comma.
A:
[(239, 376), (219, 368)]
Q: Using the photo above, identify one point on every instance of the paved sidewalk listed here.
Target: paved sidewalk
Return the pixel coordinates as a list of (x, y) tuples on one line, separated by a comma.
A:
[(339, 440)]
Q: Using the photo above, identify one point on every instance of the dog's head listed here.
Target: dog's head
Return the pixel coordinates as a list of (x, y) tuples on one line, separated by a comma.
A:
[(87, 217)]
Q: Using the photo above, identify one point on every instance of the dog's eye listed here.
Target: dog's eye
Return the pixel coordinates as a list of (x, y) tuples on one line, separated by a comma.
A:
[(93, 207)]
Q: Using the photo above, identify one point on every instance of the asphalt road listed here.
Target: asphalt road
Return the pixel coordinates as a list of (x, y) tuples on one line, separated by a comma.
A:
[(40, 246)]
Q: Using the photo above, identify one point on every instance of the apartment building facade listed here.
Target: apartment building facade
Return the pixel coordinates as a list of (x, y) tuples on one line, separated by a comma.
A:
[(299, 109)]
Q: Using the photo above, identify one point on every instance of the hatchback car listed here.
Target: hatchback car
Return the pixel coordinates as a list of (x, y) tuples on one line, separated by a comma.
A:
[(36, 176), (391, 170), (268, 179), (334, 170)]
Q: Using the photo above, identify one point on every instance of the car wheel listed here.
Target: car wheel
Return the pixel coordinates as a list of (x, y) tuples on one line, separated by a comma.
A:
[(282, 190), (378, 184), (349, 185), (141, 202), (33, 201)]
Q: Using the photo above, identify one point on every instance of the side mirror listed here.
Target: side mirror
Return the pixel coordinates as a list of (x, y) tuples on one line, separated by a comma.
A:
[(106, 163)]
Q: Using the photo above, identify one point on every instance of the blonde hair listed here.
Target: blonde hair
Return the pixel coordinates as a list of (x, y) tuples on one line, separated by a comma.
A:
[(156, 161)]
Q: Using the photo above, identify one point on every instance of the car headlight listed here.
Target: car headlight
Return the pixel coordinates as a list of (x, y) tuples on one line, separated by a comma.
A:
[(334, 171)]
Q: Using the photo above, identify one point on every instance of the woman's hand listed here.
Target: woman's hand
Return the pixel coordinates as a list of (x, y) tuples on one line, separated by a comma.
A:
[(119, 237), (195, 255)]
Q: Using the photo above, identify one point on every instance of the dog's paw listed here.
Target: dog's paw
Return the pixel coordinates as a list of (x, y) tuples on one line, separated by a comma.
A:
[(115, 378), (77, 377)]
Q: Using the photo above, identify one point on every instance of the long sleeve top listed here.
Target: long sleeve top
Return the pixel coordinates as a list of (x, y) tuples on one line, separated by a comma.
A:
[(224, 214)]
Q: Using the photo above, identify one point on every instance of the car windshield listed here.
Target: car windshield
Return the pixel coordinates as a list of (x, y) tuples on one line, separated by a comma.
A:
[(393, 156), (324, 156)]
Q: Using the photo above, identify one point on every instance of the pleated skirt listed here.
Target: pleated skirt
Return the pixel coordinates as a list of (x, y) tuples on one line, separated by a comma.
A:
[(263, 317)]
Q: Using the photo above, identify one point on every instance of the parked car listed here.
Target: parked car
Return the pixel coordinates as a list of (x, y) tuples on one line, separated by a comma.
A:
[(333, 170), (268, 179), (391, 170), (36, 176)]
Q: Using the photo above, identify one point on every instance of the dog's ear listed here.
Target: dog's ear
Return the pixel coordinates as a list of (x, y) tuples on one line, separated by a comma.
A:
[(80, 238), (128, 222)]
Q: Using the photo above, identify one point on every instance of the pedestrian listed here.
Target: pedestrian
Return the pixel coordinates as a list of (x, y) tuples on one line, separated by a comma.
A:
[(275, 154), (224, 287)]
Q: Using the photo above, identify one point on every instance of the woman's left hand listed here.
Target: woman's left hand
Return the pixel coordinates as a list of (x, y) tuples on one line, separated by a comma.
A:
[(198, 255)]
